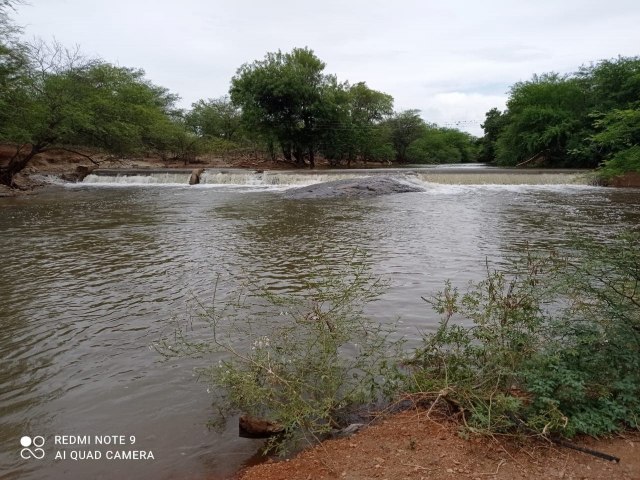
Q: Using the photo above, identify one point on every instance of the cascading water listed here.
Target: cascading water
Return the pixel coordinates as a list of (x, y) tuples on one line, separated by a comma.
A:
[(167, 178), (511, 178), (283, 179)]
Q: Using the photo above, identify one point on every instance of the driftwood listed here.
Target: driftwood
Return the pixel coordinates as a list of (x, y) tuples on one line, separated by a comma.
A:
[(253, 427)]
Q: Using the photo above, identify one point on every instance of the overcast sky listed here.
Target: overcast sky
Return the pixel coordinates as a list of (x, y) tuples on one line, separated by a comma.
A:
[(453, 60)]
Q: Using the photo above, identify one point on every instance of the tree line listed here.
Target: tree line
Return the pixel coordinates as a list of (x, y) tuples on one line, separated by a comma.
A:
[(284, 107), (583, 119)]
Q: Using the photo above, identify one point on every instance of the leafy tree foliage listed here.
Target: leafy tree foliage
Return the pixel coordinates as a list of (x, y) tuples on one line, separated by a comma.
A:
[(12, 59), (61, 99), (353, 124), (545, 117), (405, 127), (494, 123), (290, 101), (282, 98), (442, 145), (215, 118), (579, 120), (619, 135), (52, 97)]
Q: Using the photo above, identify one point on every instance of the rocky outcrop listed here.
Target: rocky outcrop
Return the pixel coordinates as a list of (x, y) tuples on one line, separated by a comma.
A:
[(195, 176), (78, 174), (358, 187)]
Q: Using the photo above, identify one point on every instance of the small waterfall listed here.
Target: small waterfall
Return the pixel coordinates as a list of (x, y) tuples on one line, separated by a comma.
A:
[(503, 178), (270, 179), (279, 180), (139, 179)]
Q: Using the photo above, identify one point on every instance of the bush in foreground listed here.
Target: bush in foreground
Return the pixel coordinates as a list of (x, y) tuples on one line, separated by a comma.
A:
[(547, 346), (303, 362), (550, 346)]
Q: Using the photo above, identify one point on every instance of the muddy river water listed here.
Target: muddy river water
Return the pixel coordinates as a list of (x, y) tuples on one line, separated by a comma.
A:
[(93, 273)]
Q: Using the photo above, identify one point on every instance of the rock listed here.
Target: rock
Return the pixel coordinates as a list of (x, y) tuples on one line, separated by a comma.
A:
[(195, 176), (358, 187), (78, 174), (6, 191), (23, 181)]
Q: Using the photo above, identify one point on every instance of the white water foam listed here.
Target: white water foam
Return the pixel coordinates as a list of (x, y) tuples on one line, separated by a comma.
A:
[(155, 179), (433, 183), (458, 189), (516, 178), (271, 180)]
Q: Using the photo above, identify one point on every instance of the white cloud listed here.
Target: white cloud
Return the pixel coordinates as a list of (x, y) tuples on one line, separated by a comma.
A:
[(465, 111), (451, 59)]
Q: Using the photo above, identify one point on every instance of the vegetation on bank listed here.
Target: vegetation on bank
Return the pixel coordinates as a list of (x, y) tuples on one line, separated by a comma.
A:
[(586, 119), (548, 346)]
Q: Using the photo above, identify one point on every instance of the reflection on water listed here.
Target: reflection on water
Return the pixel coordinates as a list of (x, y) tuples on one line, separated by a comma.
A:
[(91, 276)]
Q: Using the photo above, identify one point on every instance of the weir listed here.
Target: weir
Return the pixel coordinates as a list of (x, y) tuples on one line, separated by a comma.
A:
[(275, 179)]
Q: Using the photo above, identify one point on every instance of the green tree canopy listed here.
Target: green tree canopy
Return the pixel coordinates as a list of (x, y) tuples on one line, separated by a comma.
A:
[(495, 121), (353, 124), (442, 145), (545, 118), (405, 128), (576, 120), (61, 99), (214, 118), (281, 97)]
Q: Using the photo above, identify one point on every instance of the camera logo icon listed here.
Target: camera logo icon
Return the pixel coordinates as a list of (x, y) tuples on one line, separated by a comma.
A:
[(36, 452)]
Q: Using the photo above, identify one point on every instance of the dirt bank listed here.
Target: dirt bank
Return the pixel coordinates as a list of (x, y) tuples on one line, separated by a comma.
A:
[(630, 179), (411, 446)]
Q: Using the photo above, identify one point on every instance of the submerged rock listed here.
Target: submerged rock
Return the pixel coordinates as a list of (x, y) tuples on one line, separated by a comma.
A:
[(357, 187), (195, 176), (80, 172)]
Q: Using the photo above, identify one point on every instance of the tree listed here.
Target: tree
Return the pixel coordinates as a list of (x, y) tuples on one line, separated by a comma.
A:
[(352, 123), (214, 118), (612, 83), (442, 145), (12, 58), (405, 127), (281, 97), (547, 118), (577, 120), (62, 99), (368, 109), (494, 123), (618, 138)]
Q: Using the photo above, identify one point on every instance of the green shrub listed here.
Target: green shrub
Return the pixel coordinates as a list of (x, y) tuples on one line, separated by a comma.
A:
[(303, 361), (548, 346), (622, 162)]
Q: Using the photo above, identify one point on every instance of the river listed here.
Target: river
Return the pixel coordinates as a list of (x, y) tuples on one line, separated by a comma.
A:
[(93, 273)]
